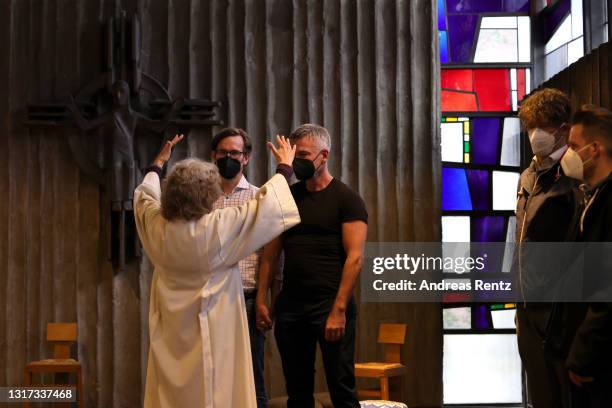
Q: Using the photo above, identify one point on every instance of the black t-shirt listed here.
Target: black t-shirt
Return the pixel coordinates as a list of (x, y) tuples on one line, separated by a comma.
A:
[(314, 253)]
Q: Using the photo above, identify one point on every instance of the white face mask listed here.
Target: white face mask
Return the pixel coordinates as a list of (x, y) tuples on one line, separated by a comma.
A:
[(572, 163), (542, 142)]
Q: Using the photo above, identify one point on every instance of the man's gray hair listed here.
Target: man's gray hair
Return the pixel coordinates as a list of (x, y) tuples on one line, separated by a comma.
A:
[(190, 190), (319, 133)]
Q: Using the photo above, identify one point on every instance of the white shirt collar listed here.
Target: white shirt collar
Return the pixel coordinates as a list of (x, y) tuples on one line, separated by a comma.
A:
[(556, 155), (551, 159)]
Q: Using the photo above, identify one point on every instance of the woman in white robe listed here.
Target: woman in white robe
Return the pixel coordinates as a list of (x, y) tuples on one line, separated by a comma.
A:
[(199, 340)]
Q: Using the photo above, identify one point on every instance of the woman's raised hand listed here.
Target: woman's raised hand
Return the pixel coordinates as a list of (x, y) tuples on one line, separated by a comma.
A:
[(166, 151)]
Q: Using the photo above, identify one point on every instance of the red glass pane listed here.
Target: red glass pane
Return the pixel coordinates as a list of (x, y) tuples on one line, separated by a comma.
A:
[(493, 89), (457, 79), (453, 101), (521, 84)]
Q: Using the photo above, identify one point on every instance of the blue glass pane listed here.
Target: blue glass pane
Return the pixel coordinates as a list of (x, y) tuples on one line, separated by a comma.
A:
[(478, 182), (441, 16), (443, 46), (488, 229), (481, 318), (455, 192), (516, 6), (461, 30), (485, 140), (474, 6), (554, 19)]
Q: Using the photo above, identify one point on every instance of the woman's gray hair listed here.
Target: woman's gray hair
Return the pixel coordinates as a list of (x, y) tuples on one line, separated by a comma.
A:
[(190, 190), (317, 132)]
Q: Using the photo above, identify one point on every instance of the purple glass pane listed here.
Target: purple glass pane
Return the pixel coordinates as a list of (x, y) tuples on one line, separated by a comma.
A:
[(554, 19), (488, 229), (481, 318), (441, 16), (461, 30), (516, 6), (474, 6), (478, 182), (485, 140)]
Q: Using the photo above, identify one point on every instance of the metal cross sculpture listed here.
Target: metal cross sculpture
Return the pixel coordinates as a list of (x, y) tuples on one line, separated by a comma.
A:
[(124, 116)]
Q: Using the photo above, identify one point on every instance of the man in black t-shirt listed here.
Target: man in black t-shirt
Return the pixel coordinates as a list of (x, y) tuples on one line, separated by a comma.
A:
[(323, 257)]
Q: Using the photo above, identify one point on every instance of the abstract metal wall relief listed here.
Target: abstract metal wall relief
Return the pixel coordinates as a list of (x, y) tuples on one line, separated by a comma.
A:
[(123, 117)]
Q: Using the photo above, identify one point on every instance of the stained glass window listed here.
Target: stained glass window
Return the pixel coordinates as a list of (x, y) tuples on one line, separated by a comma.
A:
[(563, 32), (483, 89), (481, 369), (504, 190), (485, 51), (455, 229), (457, 318), (503, 39), (598, 18)]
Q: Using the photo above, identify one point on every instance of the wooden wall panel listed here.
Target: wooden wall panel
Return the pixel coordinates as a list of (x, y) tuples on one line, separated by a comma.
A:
[(367, 70), (587, 81)]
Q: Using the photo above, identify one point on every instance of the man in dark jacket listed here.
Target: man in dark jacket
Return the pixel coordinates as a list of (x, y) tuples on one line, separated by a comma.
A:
[(546, 207), (589, 159)]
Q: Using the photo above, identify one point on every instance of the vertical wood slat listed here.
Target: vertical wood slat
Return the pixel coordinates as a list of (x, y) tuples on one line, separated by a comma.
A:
[(17, 177), (604, 76), (332, 108), (314, 62), (366, 133), (88, 221), (405, 156), (279, 44), (350, 158), (299, 61), (5, 44), (386, 129), (105, 336), (236, 88), (218, 55), (178, 56), (256, 82), (66, 184)]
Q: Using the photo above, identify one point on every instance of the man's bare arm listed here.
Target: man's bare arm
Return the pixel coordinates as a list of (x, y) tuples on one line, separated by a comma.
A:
[(353, 239), (268, 269)]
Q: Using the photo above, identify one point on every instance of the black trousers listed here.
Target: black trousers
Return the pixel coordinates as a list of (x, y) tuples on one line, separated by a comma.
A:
[(548, 381), (297, 338)]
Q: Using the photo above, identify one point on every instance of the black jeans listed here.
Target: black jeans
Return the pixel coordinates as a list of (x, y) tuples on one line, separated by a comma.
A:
[(297, 337), (257, 351), (548, 381)]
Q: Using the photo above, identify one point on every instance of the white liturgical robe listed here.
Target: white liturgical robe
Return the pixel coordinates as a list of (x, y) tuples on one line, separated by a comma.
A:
[(199, 352)]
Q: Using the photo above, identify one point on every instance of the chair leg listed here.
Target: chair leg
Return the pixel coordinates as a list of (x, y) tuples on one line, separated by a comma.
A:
[(384, 388)]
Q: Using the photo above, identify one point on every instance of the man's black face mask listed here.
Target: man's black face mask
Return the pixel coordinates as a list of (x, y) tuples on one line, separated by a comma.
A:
[(304, 169), (228, 167)]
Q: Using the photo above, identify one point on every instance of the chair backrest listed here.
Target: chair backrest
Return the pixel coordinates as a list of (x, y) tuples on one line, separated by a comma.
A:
[(62, 335), (392, 336)]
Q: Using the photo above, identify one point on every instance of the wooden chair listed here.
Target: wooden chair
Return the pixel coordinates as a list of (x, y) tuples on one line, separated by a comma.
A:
[(63, 335), (392, 337)]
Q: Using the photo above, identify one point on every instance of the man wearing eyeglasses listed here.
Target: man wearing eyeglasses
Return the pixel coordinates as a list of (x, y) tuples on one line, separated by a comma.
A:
[(231, 149)]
